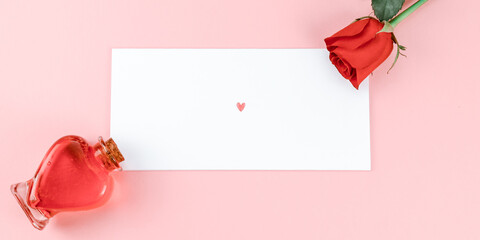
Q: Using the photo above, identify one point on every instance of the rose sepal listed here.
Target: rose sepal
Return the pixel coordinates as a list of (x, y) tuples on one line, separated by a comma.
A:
[(388, 28)]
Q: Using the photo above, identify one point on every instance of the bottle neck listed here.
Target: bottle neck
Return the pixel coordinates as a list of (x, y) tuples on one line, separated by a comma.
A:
[(108, 154)]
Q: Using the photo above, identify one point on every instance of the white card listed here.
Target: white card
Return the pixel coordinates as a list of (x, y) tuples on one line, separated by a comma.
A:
[(237, 109)]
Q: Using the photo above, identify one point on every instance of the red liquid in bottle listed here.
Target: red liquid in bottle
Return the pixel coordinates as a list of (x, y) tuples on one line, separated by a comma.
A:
[(73, 176)]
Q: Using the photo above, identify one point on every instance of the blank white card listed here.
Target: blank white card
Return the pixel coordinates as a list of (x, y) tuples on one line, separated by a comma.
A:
[(237, 109)]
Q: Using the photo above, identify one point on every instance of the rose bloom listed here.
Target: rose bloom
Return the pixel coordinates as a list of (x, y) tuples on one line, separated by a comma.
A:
[(359, 48)]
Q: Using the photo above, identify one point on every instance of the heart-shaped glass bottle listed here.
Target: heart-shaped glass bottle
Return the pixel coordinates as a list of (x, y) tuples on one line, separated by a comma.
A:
[(72, 176)]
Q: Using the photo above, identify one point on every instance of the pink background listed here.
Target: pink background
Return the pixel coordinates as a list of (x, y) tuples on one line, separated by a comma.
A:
[(55, 80)]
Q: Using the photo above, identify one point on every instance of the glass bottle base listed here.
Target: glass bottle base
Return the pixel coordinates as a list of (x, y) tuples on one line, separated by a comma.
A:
[(20, 191)]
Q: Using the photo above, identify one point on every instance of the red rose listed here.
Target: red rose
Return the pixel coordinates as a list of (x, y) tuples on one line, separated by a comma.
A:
[(359, 48)]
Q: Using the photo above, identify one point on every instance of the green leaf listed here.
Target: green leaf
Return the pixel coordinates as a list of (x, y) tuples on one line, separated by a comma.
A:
[(386, 9)]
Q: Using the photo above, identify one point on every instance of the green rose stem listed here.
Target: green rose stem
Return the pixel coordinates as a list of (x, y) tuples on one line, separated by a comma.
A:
[(394, 22)]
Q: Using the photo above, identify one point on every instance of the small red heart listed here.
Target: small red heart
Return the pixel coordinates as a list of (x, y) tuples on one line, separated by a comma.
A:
[(240, 106)]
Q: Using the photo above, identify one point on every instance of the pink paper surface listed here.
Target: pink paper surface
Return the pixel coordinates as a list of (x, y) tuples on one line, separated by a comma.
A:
[(55, 80)]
